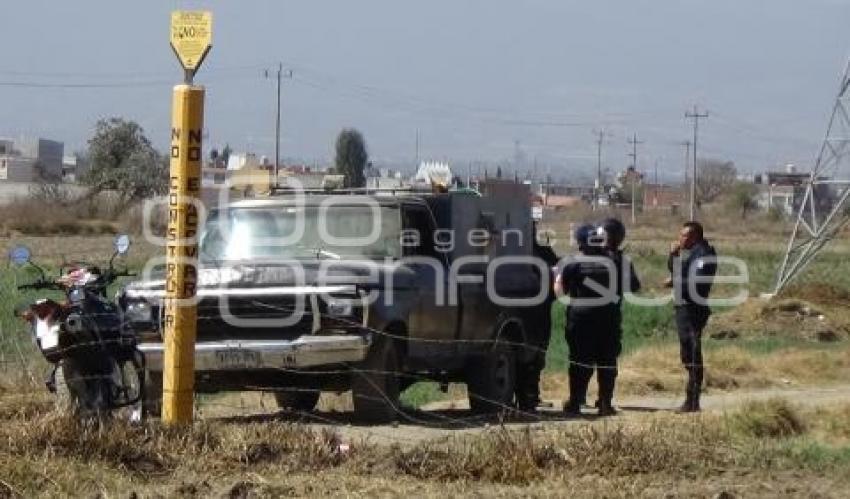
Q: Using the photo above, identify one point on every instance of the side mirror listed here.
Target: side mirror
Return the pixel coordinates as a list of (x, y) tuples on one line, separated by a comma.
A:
[(122, 244), (19, 255)]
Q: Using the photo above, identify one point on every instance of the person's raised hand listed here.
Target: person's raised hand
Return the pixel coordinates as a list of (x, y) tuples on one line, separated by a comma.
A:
[(675, 248)]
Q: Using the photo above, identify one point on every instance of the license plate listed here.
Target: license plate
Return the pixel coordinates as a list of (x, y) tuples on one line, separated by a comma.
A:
[(237, 359)]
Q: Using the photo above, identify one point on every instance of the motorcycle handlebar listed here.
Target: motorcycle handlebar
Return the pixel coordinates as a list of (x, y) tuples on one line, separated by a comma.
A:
[(107, 279)]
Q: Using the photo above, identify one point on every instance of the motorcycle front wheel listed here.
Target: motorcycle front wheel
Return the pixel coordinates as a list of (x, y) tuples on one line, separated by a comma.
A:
[(82, 392)]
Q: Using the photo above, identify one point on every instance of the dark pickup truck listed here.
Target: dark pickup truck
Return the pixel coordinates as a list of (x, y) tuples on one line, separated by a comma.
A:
[(300, 294)]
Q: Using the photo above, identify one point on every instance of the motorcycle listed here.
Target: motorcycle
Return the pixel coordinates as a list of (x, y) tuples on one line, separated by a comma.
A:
[(96, 366)]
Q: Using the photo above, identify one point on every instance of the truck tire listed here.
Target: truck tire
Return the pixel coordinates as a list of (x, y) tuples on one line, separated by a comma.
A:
[(297, 401), (375, 385), (491, 380)]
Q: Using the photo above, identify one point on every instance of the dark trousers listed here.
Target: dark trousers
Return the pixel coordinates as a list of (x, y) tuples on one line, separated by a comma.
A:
[(594, 340), (538, 328), (690, 321)]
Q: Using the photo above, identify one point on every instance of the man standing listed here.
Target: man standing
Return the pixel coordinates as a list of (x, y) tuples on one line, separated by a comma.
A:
[(538, 324), (691, 279), (614, 233), (593, 332)]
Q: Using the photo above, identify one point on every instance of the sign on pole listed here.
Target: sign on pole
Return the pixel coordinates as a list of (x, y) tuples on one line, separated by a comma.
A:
[(190, 38)]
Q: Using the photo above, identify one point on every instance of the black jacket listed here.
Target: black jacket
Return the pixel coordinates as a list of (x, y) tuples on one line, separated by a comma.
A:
[(586, 279), (701, 262), (622, 261)]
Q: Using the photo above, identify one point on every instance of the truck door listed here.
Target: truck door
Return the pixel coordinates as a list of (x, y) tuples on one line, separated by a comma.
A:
[(432, 319)]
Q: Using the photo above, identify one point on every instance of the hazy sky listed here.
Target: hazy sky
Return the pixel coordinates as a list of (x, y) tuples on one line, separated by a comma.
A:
[(472, 76)]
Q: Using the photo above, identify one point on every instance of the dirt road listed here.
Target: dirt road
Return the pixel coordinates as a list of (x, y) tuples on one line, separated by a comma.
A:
[(452, 418)]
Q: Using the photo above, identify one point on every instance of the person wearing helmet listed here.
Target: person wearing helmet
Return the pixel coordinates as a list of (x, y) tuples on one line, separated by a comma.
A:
[(537, 320), (613, 232), (592, 330)]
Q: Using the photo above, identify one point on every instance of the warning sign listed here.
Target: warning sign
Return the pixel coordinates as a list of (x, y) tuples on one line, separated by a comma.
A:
[(191, 37)]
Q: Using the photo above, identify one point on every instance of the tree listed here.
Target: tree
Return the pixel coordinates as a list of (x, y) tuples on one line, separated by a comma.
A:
[(225, 154), (351, 157), (714, 177), (122, 159), (743, 198)]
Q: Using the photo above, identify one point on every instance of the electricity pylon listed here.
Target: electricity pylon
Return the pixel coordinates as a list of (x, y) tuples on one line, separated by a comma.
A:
[(824, 208)]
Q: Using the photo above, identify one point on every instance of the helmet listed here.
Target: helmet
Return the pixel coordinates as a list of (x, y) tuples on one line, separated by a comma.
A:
[(615, 231), (583, 234)]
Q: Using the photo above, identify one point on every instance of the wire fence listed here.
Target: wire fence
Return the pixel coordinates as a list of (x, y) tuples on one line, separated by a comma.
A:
[(25, 372), (20, 355)]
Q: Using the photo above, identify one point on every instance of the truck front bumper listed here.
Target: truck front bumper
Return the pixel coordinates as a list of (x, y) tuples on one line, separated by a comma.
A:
[(245, 355)]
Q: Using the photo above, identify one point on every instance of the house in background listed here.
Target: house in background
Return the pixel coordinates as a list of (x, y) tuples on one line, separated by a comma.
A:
[(663, 197), (784, 190), (30, 159)]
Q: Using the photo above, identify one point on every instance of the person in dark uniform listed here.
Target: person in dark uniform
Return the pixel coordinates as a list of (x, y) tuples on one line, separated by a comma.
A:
[(614, 233), (538, 326), (691, 280), (592, 331)]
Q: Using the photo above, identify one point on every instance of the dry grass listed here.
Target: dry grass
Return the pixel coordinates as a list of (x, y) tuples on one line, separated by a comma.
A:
[(44, 453), (729, 367), (774, 418), (74, 217), (56, 249), (818, 319), (656, 369)]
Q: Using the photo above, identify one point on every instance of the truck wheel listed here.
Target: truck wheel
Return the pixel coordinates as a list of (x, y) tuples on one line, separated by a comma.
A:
[(297, 401), (375, 383), (491, 381)]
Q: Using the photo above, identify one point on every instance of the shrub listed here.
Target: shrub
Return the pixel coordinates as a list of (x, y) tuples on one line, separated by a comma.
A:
[(774, 418)]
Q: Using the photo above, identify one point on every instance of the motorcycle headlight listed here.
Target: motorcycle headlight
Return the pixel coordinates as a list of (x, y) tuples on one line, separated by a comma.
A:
[(76, 295), (340, 308), (138, 311)]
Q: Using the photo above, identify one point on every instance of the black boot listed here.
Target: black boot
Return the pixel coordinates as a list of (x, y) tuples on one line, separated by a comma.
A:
[(528, 388), (692, 391), (606, 376), (578, 391), (688, 406)]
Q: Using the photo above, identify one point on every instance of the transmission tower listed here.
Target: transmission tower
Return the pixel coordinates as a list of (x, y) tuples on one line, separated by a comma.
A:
[(824, 208)]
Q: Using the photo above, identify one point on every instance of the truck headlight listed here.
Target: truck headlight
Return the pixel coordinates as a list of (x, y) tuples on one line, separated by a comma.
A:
[(138, 311), (340, 308)]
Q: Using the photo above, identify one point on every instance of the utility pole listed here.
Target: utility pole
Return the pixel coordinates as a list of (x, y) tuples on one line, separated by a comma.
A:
[(517, 155), (655, 181), (634, 143), (416, 159), (600, 138), (280, 74), (687, 145), (534, 171), (696, 115)]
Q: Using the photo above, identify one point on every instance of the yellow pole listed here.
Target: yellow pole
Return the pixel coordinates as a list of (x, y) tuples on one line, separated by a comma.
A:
[(182, 249)]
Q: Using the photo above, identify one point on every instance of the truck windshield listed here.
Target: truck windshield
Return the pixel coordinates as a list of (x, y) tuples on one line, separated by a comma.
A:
[(270, 233)]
